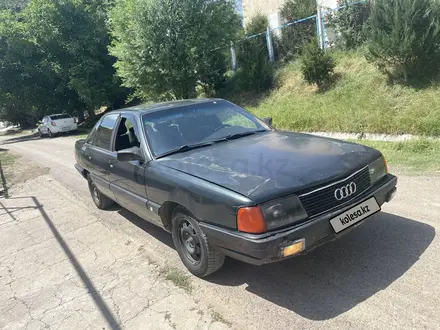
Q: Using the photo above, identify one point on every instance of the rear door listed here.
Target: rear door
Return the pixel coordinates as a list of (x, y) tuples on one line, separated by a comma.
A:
[(98, 153)]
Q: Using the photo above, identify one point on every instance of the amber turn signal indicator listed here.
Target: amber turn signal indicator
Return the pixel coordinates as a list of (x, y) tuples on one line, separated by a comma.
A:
[(251, 220), (386, 164), (295, 248)]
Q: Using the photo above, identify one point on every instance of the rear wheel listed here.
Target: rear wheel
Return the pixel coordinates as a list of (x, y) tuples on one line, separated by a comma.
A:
[(101, 201), (51, 135), (41, 134), (193, 247)]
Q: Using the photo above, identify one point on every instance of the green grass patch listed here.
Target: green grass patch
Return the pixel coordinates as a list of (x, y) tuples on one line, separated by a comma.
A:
[(179, 278), (360, 99), (411, 156), (7, 161)]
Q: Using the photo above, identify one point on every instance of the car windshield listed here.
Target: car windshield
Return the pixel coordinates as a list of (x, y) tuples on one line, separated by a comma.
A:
[(56, 117), (180, 128)]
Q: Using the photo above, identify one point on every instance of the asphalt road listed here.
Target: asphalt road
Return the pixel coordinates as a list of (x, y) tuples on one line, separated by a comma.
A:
[(384, 274)]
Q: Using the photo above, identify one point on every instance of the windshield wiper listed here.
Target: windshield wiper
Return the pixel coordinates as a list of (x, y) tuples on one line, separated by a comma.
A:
[(184, 148), (239, 135)]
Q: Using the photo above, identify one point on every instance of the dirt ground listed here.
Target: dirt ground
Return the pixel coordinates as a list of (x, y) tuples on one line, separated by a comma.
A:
[(96, 269)]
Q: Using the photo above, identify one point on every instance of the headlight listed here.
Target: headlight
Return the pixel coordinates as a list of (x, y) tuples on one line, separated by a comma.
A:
[(378, 169), (282, 212)]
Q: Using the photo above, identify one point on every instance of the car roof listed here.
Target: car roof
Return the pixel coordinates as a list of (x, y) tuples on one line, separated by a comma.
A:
[(148, 108)]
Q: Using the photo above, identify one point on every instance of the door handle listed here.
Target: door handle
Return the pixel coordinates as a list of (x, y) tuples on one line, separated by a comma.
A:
[(110, 163)]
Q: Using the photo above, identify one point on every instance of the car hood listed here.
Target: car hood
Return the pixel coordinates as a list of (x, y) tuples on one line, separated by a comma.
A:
[(273, 164)]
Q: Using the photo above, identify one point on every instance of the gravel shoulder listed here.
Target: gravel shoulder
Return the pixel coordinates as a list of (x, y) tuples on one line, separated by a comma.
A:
[(386, 272)]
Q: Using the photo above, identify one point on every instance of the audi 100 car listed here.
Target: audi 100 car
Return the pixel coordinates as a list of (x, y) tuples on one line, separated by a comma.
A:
[(226, 183)]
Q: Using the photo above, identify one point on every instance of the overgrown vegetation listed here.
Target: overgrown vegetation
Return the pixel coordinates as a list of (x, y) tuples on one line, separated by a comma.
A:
[(255, 72), (295, 37), (317, 66), (351, 23), (410, 156), (405, 37), (361, 100)]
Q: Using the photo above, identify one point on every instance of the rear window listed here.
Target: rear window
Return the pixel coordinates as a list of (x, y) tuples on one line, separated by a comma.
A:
[(56, 117)]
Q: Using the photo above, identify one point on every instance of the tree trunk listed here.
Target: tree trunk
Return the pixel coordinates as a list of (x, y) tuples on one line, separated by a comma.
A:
[(80, 116)]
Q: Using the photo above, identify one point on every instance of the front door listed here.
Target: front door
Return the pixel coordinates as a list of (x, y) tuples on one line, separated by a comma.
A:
[(98, 153), (127, 179)]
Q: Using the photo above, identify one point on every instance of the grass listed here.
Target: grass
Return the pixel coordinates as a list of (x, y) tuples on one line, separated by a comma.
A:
[(410, 156), (179, 278), (217, 317), (7, 161), (361, 99)]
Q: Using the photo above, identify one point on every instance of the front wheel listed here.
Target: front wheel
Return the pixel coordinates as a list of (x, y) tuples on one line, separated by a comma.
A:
[(102, 202), (193, 247)]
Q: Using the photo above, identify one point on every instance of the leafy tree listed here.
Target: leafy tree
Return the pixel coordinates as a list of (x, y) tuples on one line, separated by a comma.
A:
[(166, 48), (351, 23), (255, 72), (405, 36), (294, 37), (14, 5), (317, 66)]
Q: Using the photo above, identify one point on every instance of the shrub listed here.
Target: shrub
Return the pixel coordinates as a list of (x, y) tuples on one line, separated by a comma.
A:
[(405, 36), (255, 72), (294, 37), (351, 23), (316, 65)]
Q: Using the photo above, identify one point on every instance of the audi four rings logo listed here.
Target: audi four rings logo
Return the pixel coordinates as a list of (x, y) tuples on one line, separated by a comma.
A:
[(346, 191)]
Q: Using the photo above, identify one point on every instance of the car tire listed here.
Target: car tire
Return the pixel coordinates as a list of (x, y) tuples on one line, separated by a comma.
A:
[(51, 135), (196, 253), (41, 134), (101, 201)]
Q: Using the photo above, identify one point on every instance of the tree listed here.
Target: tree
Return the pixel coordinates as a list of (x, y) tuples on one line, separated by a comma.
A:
[(351, 23), (317, 66), (255, 72), (405, 36), (14, 5), (165, 48), (294, 37)]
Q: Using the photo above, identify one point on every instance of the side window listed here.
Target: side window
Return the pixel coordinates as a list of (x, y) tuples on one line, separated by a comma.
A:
[(91, 137), (127, 135), (103, 135)]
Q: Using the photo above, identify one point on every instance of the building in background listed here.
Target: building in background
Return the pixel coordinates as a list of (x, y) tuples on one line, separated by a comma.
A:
[(271, 8)]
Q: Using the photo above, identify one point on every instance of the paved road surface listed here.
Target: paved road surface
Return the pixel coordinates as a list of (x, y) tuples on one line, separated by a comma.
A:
[(385, 274)]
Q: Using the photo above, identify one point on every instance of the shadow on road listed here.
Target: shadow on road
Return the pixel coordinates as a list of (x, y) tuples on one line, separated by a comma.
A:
[(341, 274), (155, 231), (91, 289), (22, 138)]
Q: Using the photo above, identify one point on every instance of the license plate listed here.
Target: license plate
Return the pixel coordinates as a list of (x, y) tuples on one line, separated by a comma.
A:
[(355, 214)]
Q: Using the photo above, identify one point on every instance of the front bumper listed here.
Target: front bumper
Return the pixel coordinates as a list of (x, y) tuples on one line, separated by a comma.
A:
[(266, 248)]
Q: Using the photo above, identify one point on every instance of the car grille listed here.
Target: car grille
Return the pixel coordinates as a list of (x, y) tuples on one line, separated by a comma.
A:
[(322, 199)]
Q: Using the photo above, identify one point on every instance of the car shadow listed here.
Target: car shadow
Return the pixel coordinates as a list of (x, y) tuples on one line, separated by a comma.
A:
[(336, 277), (22, 138), (153, 230)]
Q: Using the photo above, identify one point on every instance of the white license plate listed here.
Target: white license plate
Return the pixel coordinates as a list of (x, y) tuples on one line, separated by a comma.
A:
[(355, 214)]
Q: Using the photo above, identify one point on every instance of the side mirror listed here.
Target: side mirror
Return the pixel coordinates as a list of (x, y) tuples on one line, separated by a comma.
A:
[(127, 155), (267, 121)]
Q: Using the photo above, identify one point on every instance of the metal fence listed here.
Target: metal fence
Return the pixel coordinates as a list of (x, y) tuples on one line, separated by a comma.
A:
[(321, 31)]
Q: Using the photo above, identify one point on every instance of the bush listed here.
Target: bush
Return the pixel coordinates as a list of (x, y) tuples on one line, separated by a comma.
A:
[(255, 72), (351, 23), (294, 37), (316, 65), (405, 36)]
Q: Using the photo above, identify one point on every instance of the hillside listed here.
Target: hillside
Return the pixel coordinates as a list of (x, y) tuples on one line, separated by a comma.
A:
[(360, 100)]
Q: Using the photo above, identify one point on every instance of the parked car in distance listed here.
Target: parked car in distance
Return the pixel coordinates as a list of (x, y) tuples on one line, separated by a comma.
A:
[(56, 124), (225, 183)]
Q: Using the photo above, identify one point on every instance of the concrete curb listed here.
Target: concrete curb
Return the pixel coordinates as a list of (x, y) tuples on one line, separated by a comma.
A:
[(373, 137)]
